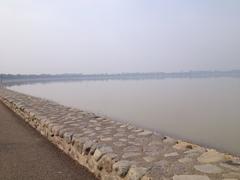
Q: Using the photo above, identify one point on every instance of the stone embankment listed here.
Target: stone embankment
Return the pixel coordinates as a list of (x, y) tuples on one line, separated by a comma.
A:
[(114, 150)]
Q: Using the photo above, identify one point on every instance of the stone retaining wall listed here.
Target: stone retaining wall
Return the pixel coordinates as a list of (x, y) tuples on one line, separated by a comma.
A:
[(117, 151)]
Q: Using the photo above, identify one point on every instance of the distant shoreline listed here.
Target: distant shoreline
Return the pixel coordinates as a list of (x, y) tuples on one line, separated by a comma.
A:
[(10, 79)]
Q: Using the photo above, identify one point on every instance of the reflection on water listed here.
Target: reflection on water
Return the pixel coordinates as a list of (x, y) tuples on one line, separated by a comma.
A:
[(205, 111)]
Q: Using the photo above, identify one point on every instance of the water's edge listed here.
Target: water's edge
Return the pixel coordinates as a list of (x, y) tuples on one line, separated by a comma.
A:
[(114, 150)]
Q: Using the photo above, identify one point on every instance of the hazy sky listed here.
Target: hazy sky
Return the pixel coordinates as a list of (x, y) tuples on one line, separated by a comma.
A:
[(94, 36)]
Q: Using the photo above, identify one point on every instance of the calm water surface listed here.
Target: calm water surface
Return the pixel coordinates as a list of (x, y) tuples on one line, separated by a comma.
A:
[(204, 111)]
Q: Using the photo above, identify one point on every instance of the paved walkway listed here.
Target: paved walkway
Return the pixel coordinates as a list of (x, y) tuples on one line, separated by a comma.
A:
[(26, 155)]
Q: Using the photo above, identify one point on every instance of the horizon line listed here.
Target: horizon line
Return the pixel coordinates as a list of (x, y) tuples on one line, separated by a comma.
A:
[(118, 73)]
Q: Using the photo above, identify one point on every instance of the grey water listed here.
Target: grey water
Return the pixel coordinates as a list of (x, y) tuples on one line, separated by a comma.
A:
[(204, 111)]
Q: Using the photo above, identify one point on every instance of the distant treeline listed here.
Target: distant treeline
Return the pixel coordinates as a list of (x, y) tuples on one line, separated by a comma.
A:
[(153, 75), (37, 76)]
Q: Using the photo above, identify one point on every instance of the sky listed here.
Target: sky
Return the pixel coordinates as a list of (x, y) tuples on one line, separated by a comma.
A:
[(114, 36)]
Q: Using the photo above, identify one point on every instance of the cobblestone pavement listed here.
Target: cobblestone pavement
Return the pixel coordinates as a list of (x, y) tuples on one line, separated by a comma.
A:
[(114, 150)]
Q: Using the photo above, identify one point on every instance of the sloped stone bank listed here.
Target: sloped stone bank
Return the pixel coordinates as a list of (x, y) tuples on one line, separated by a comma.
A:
[(114, 150)]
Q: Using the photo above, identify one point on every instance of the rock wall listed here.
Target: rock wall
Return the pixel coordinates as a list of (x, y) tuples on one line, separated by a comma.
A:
[(116, 151)]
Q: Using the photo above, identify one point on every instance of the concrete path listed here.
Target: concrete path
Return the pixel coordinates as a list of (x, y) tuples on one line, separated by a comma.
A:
[(26, 155)]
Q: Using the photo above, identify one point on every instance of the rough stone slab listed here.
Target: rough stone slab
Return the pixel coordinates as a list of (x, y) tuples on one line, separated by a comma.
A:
[(87, 147), (99, 152), (232, 175), (145, 133), (107, 161), (190, 177), (228, 166), (208, 168), (211, 156), (173, 154), (136, 173), (130, 155), (122, 167)]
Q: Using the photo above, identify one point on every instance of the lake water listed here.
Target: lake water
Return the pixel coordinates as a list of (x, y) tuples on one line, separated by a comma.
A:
[(203, 111)]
